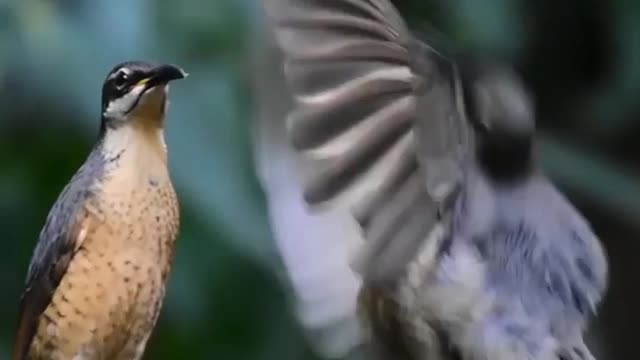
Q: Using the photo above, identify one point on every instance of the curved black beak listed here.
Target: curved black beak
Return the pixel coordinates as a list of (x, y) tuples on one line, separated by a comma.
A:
[(161, 75)]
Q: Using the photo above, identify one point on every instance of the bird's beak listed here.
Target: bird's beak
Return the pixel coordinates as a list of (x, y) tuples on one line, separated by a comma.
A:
[(156, 78), (162, 75)]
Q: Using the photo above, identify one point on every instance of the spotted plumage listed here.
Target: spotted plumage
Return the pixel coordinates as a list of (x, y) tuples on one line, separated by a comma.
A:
[(98, 274)]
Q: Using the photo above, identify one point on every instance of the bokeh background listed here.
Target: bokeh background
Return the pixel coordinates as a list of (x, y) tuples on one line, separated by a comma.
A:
[(227, 298)]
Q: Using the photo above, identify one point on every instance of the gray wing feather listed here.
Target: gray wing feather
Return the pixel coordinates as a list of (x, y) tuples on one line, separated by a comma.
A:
[(56, 246), (368, 99)]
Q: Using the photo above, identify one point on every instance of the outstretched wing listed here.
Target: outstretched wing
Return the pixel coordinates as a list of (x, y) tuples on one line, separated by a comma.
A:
[(376, 122), (374, 144), (62, 235)]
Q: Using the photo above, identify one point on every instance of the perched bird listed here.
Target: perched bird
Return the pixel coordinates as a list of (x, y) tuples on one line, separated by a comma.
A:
[(464, 249), (97, 277)]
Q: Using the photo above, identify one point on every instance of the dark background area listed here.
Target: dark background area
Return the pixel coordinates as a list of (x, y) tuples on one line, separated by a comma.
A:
[(225, 299)]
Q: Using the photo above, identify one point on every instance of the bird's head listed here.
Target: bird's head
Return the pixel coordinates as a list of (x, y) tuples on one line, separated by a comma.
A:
[(137, 90), (500, 109)]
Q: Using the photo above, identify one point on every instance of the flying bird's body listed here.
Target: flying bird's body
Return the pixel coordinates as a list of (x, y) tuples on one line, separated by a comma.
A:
[(425, 162), (98, 275), (506, 284)]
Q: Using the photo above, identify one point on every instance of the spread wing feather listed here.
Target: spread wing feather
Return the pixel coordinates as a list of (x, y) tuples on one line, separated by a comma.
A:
[(376, 122), (367, 159)]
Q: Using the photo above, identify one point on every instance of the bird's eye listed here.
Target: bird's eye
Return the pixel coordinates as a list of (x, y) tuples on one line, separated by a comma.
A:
[(121, 79)]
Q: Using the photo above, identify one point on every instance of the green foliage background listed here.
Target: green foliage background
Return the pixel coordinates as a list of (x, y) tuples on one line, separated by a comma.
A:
[(226, 300)]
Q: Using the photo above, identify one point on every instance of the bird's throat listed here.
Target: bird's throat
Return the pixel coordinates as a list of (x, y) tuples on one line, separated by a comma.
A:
[(136, 146)]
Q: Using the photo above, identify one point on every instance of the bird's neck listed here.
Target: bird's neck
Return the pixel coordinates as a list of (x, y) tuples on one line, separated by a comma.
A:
[(138, 145), (507, 161)]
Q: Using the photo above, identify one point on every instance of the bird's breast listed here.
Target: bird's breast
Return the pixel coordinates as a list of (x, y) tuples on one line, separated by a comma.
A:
[(111, 294), (135, 207), (139, 206)]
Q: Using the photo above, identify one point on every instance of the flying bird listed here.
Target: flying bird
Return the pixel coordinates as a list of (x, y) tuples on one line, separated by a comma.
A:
[(97, 277), (422, 162)]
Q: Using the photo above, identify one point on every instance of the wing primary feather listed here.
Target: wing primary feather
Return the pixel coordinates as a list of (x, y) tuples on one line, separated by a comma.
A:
[(362, 50), (405, 242), (377, 81), (27, 322), (388, 219), (396, 231), (343, 170), (406, 165), (338, 24), (320, 128)]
